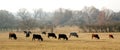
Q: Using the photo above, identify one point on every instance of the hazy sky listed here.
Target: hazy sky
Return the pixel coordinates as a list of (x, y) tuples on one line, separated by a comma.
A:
[(51, 5)]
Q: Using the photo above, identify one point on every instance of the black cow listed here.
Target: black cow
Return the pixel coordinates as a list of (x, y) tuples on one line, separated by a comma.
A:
[(62, 36), (95, 36), (27, 33), (44, 33), (111, 36), (37, 36), (12, 35), (52, 35), (73, 34)]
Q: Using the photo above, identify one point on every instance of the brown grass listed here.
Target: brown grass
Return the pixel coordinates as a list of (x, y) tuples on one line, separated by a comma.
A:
[(84, 42)]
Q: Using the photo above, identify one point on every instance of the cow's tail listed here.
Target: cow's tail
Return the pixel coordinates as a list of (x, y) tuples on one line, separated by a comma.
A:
[(69, 36), (33, 39)]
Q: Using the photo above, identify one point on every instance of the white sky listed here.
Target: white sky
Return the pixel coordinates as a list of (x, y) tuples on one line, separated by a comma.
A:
[(51, 5)]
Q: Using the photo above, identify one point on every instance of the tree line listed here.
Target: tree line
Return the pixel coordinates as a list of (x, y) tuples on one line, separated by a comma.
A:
[(89, 19)]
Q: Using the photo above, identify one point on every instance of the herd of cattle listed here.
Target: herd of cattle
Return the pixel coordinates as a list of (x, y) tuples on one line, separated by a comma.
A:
[(63, 36)]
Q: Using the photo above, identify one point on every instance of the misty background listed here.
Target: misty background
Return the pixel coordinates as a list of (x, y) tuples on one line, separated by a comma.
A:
[(88, 15), (89, 19)]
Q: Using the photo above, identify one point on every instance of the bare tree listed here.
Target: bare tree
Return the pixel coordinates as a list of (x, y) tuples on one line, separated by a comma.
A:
[(39, 16), (27, 22), (7, 20)]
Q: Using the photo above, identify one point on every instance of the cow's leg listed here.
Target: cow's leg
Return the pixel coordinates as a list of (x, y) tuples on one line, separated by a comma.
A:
[(33, 39), (92, 37), (59, 38), (26, 35), (38, 39), (9, 37), (48, 36), (69, 36)]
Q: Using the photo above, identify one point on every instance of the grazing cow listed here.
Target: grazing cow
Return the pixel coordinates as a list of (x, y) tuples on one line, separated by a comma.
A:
[(52, 35), (73, 34), (111, 36), (95, 36), (27, 33), (62, 36), (12, 35), (37, 36), (44, 33)]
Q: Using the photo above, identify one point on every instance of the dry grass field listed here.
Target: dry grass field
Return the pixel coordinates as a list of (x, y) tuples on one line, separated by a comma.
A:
[(84, 42)]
